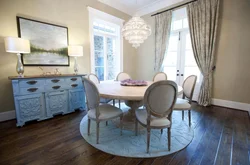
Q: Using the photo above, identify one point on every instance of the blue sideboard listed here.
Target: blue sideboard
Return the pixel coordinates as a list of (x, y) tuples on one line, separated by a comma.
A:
[(42, 97)]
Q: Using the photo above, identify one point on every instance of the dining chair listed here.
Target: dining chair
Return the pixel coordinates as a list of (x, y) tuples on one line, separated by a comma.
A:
[(120, 77), (97, 112), (160, 76), (96, 81), (159, 100), (188, 91)]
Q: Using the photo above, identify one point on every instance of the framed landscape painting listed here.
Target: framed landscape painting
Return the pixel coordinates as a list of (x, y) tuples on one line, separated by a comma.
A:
[(48, 43)]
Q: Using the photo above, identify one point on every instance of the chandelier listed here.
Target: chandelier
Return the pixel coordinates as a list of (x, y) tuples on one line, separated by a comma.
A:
[(136, 30)]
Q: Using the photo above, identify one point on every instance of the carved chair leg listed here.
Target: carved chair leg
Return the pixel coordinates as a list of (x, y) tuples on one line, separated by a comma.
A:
[(148, 139), (182, 115), (136, 127), (189, 117), (97, 132), (161, 131), (89, 121), (169, 138), (119, 103), (121, 123), (107, 123)]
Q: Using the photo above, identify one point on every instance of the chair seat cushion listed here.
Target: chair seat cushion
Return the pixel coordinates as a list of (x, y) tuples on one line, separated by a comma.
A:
[(182, 104), (141, 115), (106, 112)]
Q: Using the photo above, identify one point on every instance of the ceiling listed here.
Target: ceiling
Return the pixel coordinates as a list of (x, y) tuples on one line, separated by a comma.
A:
[(139, 7)]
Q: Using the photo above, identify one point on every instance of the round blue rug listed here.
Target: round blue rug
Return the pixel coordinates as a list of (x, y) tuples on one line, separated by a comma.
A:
[(129, 145)]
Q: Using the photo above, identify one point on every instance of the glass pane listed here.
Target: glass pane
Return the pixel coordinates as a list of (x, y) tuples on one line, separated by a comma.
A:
[(188, 42), (189, 58), (192, 71), (98, 43), (99, 58), (173, 43), (111, 73), (99, 71), (177, 24), (171, 73), (171, 59), (185, 23)]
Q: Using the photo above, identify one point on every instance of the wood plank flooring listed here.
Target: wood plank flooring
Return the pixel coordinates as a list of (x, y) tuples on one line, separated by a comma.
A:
[(222, 136)]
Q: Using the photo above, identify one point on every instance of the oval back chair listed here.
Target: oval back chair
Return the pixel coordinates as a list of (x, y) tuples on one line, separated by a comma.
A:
[(122, 76), (159, 100), (93, 78), (160, 76), (188, 91)]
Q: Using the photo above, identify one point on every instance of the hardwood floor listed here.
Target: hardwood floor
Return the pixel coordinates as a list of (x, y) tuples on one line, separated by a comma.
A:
[(222, 136)]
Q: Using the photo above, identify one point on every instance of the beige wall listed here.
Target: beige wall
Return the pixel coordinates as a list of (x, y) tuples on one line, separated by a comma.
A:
[(232, 75), (70, 13)]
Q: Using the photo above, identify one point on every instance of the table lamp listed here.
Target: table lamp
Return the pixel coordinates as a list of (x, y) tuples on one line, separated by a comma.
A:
[(75, 51), (17, 45)]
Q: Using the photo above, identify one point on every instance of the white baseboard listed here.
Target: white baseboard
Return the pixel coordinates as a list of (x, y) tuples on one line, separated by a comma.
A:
[(8, 115), (231, 104)]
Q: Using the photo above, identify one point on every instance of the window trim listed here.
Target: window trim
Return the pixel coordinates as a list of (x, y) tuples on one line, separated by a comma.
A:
[(100, 16)]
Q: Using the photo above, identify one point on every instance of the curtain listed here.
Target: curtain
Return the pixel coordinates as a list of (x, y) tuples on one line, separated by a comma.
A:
[(203, 21), (162, 35)]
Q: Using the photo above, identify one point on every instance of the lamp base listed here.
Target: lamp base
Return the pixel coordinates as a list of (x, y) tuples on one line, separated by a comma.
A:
[(19, 66), (76, 66)]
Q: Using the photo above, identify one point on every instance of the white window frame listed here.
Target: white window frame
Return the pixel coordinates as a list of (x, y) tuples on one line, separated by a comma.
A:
[(99, 16)]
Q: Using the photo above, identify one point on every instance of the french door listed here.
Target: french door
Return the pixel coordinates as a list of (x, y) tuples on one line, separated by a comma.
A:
[(179, 62), (105, 57)]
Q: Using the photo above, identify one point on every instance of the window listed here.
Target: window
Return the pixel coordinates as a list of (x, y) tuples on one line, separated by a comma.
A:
[(106, 44), (179, 62)]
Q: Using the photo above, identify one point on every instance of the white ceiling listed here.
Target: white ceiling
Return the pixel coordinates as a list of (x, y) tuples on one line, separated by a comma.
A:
[(139, 7)]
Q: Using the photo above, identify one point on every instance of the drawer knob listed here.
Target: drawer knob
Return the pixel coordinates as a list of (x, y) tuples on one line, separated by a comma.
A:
[(32, 89), (55, 80), (56, 87), (31, 82), (73, 79), (74, 85)]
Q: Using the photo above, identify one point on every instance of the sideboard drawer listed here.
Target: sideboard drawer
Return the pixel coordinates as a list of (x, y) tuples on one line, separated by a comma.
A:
[(31, 83), (75, 85), (54, 80), (31, 90), (74, 80), (55, 87)]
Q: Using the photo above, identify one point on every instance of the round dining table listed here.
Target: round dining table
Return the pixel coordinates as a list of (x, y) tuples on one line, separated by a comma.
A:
[(132, 95)]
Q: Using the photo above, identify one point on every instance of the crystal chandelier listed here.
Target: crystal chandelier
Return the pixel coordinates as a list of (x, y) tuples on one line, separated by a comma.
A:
[(136, 30)]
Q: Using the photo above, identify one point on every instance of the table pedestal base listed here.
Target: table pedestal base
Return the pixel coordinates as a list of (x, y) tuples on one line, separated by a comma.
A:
[(129, 115)]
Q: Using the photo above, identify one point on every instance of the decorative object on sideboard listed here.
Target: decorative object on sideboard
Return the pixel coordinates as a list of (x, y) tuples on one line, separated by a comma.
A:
[(75, 51), (47, 71), (48, 42), (17, 45)]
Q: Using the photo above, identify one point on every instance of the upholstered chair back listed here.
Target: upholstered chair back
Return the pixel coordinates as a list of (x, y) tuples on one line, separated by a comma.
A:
[(92, 77), (160, 98), (188, 86), (160, 76), (92, 94), (122, 76)]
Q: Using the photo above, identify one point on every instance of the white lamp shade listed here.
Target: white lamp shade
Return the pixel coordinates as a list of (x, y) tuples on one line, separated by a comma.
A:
[(75, 51), (16, 45)]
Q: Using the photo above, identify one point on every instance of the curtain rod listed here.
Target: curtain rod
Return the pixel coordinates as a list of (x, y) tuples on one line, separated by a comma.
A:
[(174, 7)]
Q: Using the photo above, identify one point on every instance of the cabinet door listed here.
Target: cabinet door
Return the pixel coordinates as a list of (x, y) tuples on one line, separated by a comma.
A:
[(29, 107), (76, 99), (56, 102)]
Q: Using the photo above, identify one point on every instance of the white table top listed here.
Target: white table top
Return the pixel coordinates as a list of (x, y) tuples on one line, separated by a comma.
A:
[(113, 90)]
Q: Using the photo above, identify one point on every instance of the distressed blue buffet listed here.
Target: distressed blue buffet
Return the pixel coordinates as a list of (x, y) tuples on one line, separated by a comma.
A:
[(42, 97)]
